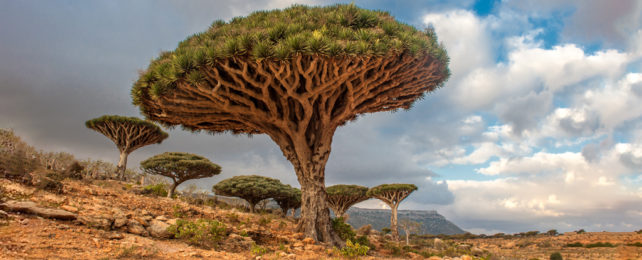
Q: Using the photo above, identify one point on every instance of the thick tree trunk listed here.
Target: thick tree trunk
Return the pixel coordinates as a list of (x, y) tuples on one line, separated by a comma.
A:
[(252, 206), (315, 215), (172, 188), (122, 165), (393, 222)]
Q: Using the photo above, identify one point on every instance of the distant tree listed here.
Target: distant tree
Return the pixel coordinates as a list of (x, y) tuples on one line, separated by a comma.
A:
[(128, 133), (251, 188), (180, 167), (296, 75), (288, 198), (341, 197), (392, 195), (552, 232), (408, 227)]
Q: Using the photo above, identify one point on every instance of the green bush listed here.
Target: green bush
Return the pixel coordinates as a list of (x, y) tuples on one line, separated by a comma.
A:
[(556, 256), (343, 229), (354, 250), (258, 250), (156, 189), (386, 230), (637, 244), (599, 244), (576, 244), (203, 232), (581, 231)]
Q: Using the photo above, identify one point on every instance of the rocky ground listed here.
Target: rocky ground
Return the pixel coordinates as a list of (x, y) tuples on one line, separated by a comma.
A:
[(112, 220)]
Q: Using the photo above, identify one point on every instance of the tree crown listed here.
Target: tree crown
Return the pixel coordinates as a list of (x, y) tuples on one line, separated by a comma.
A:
[(252, 188), (288, 197), (125, 120), (331, 31), (180, 166), (387, 188), (347, 190)]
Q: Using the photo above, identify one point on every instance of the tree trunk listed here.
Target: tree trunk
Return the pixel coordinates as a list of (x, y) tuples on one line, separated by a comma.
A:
[(252, 206), (170, 193), (315, 215), (393, 222), (122, 165), (407, 237)]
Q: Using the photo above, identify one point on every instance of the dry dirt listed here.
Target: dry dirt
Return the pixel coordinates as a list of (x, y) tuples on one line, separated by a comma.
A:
[(101, 204)]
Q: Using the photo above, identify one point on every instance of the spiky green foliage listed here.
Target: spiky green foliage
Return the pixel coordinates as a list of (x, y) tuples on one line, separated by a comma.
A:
[(252, 188), (125, 120), (288, 198), (341, 197), (397, 187), (180, 167), (332, 31)]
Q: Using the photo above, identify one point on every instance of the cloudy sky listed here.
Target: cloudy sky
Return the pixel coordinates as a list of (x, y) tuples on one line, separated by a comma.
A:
[(539, 127)]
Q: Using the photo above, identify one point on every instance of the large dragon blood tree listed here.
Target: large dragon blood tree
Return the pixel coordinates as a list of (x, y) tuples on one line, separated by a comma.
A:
[(296, 75), (128, 133)]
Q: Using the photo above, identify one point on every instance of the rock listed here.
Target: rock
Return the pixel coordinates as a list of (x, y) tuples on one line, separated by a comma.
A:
[(509, 245), (412, 255), (114, 236), (298, 244), (96, 221), (119, 222), (161, 218), (69, 208), (30, 207), (158, 229), (364, 230), (308, 241), (172, 221), (466, 257), (434, 258), (237, 243), (463, 247), (136, 228), (4, 215)]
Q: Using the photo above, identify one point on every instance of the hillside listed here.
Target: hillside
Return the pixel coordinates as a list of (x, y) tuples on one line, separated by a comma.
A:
[(432, 222)]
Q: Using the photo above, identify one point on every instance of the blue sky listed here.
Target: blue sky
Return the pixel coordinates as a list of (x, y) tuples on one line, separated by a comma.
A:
[(539, 126)]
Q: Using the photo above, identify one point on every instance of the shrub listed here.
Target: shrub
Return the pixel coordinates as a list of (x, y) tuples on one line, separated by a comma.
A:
[(639, 231), (264, 221), (576, 244), (385, 230), (599, 244), (159, 189), (637, 244), (581, 231), (258, 250), (552, 232), (354, 250), (556, 256), (203, 232), (343, 229)]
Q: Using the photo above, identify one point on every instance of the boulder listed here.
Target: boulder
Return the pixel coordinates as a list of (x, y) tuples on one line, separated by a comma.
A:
[(438, 244), (30, 207), (96, 221), (136, 228), (158, 229)]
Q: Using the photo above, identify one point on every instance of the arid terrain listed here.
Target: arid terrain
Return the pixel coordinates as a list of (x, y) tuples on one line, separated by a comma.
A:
[(114, 221)]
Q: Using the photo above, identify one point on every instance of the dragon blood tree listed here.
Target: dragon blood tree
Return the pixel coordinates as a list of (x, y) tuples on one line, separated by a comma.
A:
[(180, 167), (128, 133), (288, 198), (252, 188), (296, 75), (392, 195), (341, 197)]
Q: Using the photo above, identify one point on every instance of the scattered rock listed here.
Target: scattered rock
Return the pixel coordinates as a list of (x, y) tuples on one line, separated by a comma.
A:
[(136, 228), (158, 229), (476, 251), (4, 215), (463, 247), (114, 236), (434, 258), (30, 207), (69, 208), (96, 221), (308, 241), (466, 257), (119, 221)]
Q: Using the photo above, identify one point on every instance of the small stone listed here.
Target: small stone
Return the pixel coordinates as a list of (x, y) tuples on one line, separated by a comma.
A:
[(115, 236), (435, 258), (298, 244), (466, 257), (4, 215), (161, 218), (136, 228), (120, 222), (308, 241), (69, 208)]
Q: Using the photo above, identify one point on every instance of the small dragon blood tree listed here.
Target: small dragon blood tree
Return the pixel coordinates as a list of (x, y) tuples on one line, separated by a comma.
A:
[(128, 133), (252, 188), (288, 198), (180, 167), (392, 195), (341, 197), (296, 75)]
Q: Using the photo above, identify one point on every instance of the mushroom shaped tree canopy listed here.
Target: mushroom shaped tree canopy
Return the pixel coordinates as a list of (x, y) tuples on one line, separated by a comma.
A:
[(295, 74)]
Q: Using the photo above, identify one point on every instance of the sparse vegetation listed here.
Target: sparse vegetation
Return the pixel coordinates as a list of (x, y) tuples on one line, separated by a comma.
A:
[(202, 232), (354, 250), (556, 256), (599, 244), (343, 230), (159, 189)]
